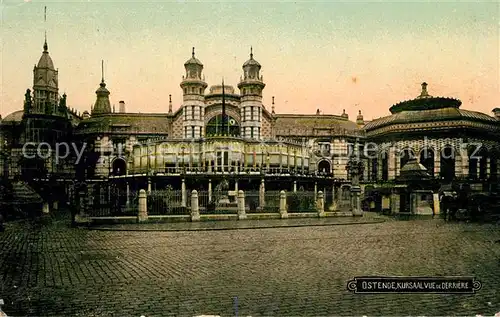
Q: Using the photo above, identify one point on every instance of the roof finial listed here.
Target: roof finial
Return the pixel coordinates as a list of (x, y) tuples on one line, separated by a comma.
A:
[(169, 103), (102, 71), (192, 54), (251, 52), (45, 46), (273, 100)]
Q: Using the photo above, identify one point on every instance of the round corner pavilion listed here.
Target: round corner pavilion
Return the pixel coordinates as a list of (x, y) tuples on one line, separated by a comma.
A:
[(429, 145)]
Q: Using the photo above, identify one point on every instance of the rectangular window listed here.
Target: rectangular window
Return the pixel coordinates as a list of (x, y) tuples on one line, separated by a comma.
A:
[(192, 112), (192, 132), (226, 160), (185, 132), (251, 132), (251, 113)]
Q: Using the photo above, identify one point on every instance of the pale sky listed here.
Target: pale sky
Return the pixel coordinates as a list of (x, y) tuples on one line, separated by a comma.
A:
[(328, 55)]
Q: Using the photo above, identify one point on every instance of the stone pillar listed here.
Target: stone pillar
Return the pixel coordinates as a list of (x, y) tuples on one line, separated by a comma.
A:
[(241, 205), (236, 186), (465, 162), (414, 203), (195, 210), (143, 206), (437, 164), (45, 208), (128, 195), (392, 163), (81, 203), (294, 186), (356, 201), (315, 190), (394, 203), (320, 204), (209, 190), (339, 196), (262, 195), (149, 185), (283, 210), (184, 193), (435, 198)]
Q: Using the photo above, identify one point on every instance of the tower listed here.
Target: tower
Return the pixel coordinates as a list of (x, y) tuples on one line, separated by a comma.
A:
[(193, 87), (102, 104), (251, 86), (45, 86)]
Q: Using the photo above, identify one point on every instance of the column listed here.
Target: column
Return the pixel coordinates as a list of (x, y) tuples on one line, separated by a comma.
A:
[(184, 194), (435, 198), (315, 190), (128, 195), (195, 210), (465, 162), (143, 207), (437, 164), (209, 190), (241, 205), (262, 193), (294, 186), (488, 172), (392, 163)]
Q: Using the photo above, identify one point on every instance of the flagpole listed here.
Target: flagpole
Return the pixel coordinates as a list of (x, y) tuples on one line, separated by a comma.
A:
[(223, 110)]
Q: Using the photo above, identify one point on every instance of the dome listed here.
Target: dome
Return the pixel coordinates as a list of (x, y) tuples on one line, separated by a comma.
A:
[(217, 90), (193, 60), (251, 61), (16, 116)]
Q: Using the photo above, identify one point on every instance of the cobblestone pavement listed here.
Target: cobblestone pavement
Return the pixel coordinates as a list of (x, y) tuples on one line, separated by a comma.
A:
[(52, 270)]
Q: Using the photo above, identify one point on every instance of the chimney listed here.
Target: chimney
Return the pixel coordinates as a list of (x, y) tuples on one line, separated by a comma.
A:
[(121, 108), (496, 113)]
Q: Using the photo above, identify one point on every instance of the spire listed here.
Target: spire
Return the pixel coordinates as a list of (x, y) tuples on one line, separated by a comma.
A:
[(192, 54), (45, 46), (251, 52), (169, 103), (102, 72), (272, 107)]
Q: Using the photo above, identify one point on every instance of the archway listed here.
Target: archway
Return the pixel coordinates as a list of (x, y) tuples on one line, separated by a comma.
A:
[(119, 167), (447, 166), (427, 160), (324, 168), (215, 125)]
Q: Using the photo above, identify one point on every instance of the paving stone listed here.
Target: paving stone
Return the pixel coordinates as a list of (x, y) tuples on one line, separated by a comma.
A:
[(54, 270)]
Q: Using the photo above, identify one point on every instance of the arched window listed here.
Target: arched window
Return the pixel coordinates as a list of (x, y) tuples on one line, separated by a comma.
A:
[(427, 160), (324, 168), (374, 169), (214, 126), (406, 155), (447, 168), (473, 153), (119, 167)]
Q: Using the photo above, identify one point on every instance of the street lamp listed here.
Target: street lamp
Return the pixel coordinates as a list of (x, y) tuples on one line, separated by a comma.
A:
[(355, 168)]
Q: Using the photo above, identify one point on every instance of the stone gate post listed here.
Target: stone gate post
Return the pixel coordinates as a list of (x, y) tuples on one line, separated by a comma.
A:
[(283, 209), (142, 214), (241, 205), (195, 210), (320, 204)]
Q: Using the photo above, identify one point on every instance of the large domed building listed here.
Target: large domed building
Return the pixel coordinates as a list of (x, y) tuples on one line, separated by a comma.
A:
[(227, 133)]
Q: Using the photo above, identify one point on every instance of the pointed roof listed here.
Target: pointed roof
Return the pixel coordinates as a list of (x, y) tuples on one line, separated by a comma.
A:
[(45, 60), (193, 60)]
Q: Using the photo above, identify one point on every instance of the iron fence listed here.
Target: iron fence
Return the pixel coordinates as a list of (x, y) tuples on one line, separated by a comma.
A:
[(301, 201), (272, 201), (167, 202), (252, 202)]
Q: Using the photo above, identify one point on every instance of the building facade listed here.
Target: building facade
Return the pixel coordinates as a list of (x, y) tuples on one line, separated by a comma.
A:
[(223, 133)]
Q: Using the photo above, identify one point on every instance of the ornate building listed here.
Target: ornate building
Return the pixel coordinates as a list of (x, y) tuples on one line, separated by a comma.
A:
[(227, 134)]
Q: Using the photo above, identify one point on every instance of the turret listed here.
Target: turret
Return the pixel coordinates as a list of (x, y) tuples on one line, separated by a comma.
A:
[(193, 107), (251, 86), (102, 104)]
